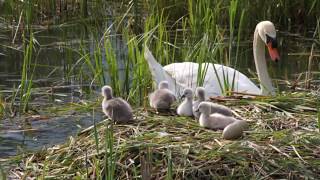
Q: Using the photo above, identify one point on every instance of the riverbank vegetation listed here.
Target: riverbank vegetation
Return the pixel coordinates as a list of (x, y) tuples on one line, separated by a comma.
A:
[(66, 50)]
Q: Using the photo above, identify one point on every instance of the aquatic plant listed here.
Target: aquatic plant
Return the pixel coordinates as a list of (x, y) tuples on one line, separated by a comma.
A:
[(177, 147), (26, 74), (110, 154), (2, 106)]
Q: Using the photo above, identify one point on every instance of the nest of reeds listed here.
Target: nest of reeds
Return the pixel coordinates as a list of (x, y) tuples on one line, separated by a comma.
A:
[(282, 142)]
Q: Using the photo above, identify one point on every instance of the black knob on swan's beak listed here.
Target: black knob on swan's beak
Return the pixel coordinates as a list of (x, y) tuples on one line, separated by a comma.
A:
[(183, 96)]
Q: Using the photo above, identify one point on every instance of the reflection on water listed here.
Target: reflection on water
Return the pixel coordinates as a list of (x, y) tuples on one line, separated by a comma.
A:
[(54, 84), (39, 132)]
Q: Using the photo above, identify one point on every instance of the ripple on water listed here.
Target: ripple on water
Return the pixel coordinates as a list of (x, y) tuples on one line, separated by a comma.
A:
[(32, 135)]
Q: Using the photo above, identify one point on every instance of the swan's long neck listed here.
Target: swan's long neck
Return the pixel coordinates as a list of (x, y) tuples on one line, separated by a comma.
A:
[(266, 87)]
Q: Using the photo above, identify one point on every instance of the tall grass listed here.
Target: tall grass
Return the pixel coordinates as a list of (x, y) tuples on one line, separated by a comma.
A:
[(140, 80), (287, 13), (169, 165), (2, 173), (232, 16), (112, 66), (92, 67), (2, 106), (110, 159), (317, 31), (194, 30), (27, 74), (96, 135), (202, 39), (318, 118), (318, 113), (29, 6)]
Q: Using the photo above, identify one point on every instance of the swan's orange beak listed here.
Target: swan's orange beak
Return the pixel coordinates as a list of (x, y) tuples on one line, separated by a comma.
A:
[(273, 52)]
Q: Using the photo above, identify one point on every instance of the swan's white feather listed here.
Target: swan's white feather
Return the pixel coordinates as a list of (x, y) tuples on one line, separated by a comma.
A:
[(186, 75)]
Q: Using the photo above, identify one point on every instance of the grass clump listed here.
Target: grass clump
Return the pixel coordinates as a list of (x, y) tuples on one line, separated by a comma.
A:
[(169, 147)]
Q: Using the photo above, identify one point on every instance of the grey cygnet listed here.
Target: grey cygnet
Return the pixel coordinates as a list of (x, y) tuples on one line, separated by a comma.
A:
[(162, 98), (116, 109)]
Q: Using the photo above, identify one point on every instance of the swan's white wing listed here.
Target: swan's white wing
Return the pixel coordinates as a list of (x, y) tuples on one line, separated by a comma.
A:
[(186, 74), (182, 75), (241, 82)]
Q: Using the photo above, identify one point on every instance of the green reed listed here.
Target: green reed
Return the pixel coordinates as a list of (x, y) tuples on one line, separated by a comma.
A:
[(141, 78), (99, 69), (318, 113), (110, 159), (206, 31), (232, 16), (2, 173), (29, 6), (169, 175), (96, 135), (2, 106), (88, 68), (84, 8), (317, 32), (112, 62), (91, 64), (26, 74), (156, 31), (318, 118), (97, 167), (279, 11), (203, 17)]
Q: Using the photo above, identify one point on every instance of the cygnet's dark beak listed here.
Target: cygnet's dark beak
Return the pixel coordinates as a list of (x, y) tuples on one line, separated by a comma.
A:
[(197, 110)]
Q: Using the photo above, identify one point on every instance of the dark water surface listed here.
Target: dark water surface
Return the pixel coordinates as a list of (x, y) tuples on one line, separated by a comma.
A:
[(35, 133), (53, 72)]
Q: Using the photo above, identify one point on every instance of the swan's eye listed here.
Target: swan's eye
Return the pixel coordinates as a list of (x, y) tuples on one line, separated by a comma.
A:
[(271, 40), (272, 47)]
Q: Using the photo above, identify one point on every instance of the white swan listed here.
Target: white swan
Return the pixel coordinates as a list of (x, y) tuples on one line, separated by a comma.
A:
[(182, 75)]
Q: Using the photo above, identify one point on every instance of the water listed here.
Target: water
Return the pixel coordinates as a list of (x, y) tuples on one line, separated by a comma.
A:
[(55, 59), (57, 54), (37, 133)]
